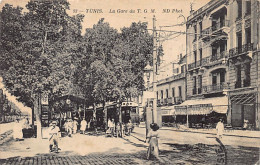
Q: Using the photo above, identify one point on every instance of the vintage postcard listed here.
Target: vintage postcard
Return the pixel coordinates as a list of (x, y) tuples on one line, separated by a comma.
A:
[(129, 82)]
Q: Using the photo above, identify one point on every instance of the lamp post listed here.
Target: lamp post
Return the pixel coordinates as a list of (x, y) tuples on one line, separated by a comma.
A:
[(147, 72)]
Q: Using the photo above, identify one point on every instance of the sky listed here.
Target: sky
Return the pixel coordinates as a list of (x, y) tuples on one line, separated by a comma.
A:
[(121, 13)]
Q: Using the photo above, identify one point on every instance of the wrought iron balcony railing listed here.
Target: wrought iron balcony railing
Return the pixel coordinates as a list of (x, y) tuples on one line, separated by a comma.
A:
[(219, 56), (239, 50), (220, 25), (214, 88)]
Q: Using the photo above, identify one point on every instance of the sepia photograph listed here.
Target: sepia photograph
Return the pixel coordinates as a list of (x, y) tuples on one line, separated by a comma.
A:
[(140, 82)]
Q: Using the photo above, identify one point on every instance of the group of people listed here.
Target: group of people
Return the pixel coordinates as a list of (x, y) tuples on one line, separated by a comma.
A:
[(119, 129), (18, 127), (73, 126)]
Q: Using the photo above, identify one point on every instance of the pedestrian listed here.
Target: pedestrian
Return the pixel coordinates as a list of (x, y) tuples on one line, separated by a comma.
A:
[(129, 127), (54, 134), (123, 127), (18, 130), (83, 125), (152, 139), (111, 126), (75, 126), (118, 130), (66, 126), (220, 129), (70, 127)]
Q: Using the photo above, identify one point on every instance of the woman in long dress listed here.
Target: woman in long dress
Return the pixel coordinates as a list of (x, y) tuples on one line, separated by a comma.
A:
[(18, 130), (83, 125), (152, 138)]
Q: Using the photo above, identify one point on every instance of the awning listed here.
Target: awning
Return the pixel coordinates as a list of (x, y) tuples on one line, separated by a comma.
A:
[(202, 106), (167, 111)]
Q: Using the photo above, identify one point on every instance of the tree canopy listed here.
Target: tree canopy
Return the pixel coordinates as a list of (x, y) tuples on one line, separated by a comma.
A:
[(43, 49)]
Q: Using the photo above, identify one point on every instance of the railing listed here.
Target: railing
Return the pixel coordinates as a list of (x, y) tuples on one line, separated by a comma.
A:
[(178, 100), (165, 101), (192, 66), (238, 50), (206, 32), (220, 25), (219, 56), (170, 101), (214, 88)]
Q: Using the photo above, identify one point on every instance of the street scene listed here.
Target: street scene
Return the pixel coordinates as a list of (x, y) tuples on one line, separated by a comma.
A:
[(85, 82)]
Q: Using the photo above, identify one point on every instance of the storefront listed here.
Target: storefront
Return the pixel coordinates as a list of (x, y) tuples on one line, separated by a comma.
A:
[(168, 115), (243, 109), (202, 111)]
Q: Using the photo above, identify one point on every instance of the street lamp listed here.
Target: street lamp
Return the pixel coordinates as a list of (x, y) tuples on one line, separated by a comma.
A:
[(147, 71)]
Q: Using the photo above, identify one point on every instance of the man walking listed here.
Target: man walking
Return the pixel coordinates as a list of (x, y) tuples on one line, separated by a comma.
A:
[(220, 129)]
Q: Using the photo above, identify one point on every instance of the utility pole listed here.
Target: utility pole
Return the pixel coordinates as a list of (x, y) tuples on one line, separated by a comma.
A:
[(154, 71)]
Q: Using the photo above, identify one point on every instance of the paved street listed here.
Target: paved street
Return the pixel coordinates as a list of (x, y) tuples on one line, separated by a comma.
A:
[(195, 148)]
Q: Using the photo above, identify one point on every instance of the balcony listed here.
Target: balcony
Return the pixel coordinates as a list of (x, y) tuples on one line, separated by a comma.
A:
[(220, 25), (205, 34), (165, 101), (170, 101), (178, 100), (240, 50), (192, 66), (219, 55), (214, 88)]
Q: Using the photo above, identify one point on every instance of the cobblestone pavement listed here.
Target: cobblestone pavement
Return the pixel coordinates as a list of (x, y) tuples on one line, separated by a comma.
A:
[(123, 151)]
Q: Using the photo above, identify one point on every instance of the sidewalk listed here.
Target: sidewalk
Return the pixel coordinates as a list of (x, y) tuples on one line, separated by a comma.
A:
[(237, 133)]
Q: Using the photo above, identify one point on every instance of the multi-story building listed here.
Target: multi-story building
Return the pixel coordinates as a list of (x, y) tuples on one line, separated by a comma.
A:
[(222, 62), (171, 89), (244, 62)]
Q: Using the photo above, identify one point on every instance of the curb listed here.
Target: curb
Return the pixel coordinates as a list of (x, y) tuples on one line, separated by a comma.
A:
[(210, 133)]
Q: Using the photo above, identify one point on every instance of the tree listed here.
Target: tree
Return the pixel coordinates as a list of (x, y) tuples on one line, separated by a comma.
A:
[(48, 37)]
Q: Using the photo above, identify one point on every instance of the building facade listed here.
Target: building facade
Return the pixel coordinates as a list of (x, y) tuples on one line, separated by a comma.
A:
[(223, 62)]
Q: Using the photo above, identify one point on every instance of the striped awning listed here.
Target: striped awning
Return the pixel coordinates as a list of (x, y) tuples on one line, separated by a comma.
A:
[(203, 106)]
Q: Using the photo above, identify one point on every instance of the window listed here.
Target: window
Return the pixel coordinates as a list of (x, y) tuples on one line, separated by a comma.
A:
[(239, 42), (238, 78), (222, 77), (214, 79), (167, 94), (195, 56), (247, 75), (173, 92), (248, 35), (200, 24), (194, 85), (239, 9), (180, 91), (201, 56), (157, 95), (248, 7), (182, 68), (199, 84), (161, 94), (195, 33)]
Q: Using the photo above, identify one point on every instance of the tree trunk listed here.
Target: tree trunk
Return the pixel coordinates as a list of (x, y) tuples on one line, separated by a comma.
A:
[(37, 110), (94, 110), (105, 116)]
